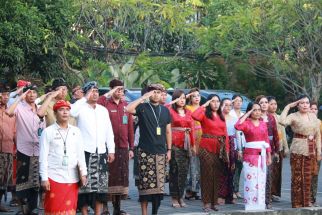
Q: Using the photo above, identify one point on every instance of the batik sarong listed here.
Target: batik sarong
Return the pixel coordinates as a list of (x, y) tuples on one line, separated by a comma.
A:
[(152, 174), (27, 185), (97, 177), (179, 164), (209, 168), (314, 184), (118, 182), (268, 191), (277, 175), (61, 198), (301, 168), (193, 178), (136, 167), (226, 177), (6, 170)]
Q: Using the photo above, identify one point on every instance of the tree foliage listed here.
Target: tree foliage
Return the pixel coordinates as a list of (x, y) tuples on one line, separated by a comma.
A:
[(227, 44), (278, 39), (32, 34)]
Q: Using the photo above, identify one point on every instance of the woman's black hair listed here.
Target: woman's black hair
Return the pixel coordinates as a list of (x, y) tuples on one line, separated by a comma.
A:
[(222, 102), (176, 94), (236, 96), (250, 106), (270, 98), (302, 96), (208, 112)]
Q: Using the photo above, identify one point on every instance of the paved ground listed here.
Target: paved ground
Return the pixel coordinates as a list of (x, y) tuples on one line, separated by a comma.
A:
[(194, 206)]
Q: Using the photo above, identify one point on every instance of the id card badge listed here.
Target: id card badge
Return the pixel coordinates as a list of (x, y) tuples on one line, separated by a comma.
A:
[(124, 120), (65, 160), (39, 131), (158, 131)]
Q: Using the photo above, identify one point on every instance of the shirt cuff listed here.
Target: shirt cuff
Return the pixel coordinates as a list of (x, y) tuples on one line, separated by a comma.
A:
[(44, 177), (111, 150), (83, 172)]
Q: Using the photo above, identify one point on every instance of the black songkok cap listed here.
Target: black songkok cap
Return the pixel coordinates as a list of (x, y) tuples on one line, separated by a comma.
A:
[(58, 83)]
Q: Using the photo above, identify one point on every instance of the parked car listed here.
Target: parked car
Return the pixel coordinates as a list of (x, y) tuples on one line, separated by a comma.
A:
[(221, 93)]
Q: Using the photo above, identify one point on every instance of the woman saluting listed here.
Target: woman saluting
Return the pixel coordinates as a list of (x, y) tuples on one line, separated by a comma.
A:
[(305, 149)]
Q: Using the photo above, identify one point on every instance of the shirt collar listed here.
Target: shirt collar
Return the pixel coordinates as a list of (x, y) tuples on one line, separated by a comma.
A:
[(91, 107), (26, 105), (4, 108), (60, 128), (110, 99)]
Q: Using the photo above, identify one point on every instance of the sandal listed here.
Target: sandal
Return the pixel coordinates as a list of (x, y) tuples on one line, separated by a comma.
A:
[(207, 210), (176, 205), (183, 204), (239, 196), (13, 203), (214, 208), (189, 197), (123, 212)]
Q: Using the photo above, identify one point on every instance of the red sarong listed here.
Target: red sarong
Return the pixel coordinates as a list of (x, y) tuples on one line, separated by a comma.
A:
[(61, 199)]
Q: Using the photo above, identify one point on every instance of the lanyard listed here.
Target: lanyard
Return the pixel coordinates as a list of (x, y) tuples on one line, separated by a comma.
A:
[(64, 140), (156, 119)]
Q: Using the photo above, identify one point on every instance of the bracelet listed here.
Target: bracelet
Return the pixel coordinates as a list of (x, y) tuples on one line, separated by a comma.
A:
[(169, 149)]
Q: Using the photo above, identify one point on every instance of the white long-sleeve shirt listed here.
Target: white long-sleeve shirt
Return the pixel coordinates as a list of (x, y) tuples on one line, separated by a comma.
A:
[(240, 137), (51, 154), (95, 126)]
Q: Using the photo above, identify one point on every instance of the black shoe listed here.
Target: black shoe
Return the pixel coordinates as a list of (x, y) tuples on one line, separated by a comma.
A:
[(188, 197)]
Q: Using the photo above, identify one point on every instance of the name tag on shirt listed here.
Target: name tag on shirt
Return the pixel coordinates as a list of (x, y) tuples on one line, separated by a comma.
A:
[(158, 131), (113, 111), (124, 120), (65, 161)]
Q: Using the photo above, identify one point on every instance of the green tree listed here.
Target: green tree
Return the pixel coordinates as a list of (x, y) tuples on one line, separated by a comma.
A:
[(277, 39), (129, 35), (32, 35)]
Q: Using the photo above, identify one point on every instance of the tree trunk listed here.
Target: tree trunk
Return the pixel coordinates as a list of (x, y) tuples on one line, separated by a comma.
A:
[(316, 87)]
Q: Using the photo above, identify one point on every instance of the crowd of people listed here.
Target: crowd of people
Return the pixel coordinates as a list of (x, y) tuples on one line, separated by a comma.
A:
[(66, 156)]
